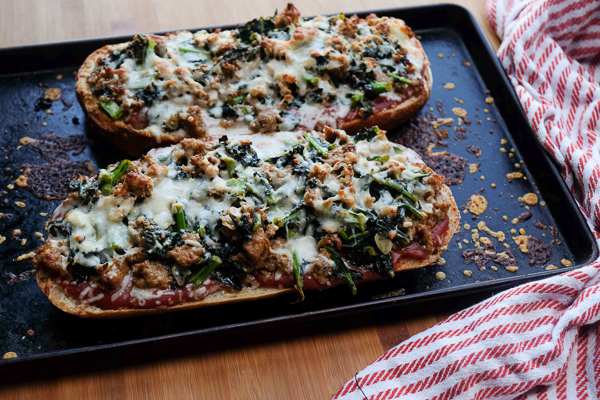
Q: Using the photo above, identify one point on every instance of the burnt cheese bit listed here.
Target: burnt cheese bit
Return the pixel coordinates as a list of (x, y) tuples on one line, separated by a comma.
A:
[(47, 181), (538, 251)]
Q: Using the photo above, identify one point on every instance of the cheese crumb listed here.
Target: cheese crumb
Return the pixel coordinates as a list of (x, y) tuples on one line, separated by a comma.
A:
[(504, 218), (440, 276), (467, 273), (530, 199), (550, 267), (9, 354), (21, 181), (473, 168), (515, 221), (477, 204), (53, 94), (2, 239), (512, 268), (449, 86), (566, 263), (503, 141), (489, 100), (522, 231), (498, 235), (10, 186), (521, 241), (514, 175), (441, 261), (25, 140), (493, 185), (494, 268), (23, 242), (43, 214), (467, 227), (22, 257), (20, 204), (485, 240), (461, 112)]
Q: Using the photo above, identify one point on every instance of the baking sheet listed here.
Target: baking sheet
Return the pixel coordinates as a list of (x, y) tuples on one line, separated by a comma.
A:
[(32, 328)]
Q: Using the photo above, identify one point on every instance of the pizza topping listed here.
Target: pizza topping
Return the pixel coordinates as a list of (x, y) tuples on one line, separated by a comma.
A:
[(270, 74), (281, 210)]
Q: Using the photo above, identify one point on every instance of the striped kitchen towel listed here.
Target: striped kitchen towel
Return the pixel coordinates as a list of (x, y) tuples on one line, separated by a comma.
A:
[(540, 340)]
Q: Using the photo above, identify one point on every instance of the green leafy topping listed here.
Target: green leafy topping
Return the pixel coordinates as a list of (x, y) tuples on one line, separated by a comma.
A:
[(367, 134), (379, 87), (257, 221), (180, 217), (398, 186), (262, 26), (108, 179), (293, 215), (315, 145), (113, 109), (400, 78), (149, 51), (310, 78), (204, 272), (382, 159), (238, 186), (298, 275), (342, 266), (194, 50), (230, 164)]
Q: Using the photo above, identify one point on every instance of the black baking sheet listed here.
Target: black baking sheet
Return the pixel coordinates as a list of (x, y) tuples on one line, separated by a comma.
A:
[(459, 53)]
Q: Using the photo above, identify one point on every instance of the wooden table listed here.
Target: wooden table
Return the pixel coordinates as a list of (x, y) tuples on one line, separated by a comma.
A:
[(311, 365)]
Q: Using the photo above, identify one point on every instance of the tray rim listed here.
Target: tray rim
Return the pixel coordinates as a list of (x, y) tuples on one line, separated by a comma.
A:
[(367, 306)]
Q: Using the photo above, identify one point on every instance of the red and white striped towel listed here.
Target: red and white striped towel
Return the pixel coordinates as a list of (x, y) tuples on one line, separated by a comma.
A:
[(540, 340)]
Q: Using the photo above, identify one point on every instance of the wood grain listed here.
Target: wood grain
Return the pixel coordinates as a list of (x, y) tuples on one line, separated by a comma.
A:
[(304, 367)]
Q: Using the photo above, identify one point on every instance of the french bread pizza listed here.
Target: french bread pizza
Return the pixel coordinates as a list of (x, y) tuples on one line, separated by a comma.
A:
[(241, 217), (280, 73)]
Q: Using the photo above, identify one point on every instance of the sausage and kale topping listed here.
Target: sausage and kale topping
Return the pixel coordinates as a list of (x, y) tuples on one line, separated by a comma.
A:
[(266, 209), (270, 74)]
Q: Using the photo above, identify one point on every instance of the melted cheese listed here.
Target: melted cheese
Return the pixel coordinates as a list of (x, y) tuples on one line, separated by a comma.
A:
[(214, 200)]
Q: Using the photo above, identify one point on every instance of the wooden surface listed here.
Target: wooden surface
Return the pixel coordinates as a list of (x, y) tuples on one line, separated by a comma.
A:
[(309, 365)]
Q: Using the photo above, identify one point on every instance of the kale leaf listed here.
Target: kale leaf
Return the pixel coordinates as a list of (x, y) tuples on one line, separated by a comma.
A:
[(147, 94), (137, 48), (244, 153), (158, 241), (261, 26), (86, 190)]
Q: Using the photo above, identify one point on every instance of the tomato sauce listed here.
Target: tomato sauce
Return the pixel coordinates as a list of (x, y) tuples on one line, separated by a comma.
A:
[(122, 298)]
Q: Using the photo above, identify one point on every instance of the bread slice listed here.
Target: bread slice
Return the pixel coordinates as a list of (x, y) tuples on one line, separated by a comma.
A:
[(180, 207), (274, 74)]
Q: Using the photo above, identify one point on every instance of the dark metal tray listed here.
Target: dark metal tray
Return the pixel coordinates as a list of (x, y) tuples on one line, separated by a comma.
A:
[(459, 53)]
